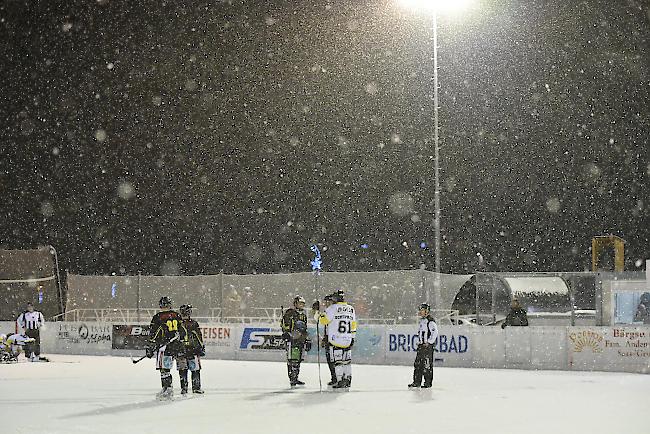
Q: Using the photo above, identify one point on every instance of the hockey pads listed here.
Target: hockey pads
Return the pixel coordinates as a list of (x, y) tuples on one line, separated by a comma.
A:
[(308, 346)]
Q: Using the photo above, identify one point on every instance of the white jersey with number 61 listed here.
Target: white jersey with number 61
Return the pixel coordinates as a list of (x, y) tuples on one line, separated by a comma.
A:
[(341, 322)]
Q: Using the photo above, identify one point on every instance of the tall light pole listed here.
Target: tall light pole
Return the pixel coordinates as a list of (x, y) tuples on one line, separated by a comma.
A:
[(434, 7), (436, 163), (58, 278)]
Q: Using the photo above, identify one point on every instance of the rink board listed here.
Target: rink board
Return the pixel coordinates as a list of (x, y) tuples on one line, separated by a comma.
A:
[(625, 349)]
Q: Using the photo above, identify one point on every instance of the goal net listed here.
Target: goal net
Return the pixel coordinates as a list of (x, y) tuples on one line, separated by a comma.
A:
[(27, 276)]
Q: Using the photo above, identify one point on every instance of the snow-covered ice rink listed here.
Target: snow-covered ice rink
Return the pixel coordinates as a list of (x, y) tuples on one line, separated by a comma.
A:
[(84, 394)]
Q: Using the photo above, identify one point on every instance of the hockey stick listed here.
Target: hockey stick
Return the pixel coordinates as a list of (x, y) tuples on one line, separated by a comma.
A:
[(320, 383), (315, 312), (156, 349)]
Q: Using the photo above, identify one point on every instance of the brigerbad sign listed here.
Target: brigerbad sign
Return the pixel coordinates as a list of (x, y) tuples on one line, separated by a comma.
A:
[(408, 342)]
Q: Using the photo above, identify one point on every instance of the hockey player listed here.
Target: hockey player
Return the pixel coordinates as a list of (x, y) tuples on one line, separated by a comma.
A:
[(166, 342), (190, 359), (30, 322), (294, 331), (427, 335), (6, 355), (12, 345), (341, 322)]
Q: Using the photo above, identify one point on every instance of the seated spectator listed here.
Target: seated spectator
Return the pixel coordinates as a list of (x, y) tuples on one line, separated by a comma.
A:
[(517, 315), (232, 303)]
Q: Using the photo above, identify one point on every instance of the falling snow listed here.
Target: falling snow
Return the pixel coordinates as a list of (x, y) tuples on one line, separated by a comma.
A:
[(239, 130)]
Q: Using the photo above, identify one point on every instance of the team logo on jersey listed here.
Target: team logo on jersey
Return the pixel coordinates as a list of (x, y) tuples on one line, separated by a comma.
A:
[(261, 338)]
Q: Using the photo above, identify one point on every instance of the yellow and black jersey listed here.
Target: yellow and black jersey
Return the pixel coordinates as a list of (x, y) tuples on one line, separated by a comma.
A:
[(164, 326), (341, 322), (294, 323), (194, 337)]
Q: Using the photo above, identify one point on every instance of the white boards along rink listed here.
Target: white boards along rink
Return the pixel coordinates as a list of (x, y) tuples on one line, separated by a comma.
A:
[(612, 348)]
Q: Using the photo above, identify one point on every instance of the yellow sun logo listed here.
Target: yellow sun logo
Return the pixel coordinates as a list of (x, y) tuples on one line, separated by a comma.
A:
[(587, 339)]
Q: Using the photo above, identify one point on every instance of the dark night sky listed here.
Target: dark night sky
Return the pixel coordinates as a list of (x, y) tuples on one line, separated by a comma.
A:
[(195, 137)]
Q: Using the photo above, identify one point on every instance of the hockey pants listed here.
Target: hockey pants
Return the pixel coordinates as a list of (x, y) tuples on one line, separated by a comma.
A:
[(164, 363), (294, 357), (342, 360), (33, 347), (423, 366)]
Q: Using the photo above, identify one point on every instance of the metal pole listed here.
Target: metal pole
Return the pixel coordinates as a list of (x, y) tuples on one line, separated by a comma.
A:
[(138, 300), (58, 278), (494, 302), (221, 296), (436, 159), (477, 286)]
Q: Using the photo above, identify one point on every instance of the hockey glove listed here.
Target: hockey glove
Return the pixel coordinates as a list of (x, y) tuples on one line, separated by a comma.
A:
[(351, 343), (201, 351), (149, 352), (308, 346), (286, 336)]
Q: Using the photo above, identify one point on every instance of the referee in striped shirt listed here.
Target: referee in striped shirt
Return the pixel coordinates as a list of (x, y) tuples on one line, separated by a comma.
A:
[(427, 335), (30, 322)]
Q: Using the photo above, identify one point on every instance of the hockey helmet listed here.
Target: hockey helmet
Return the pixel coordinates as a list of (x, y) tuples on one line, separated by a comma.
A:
[(165, 302), (328, 297), (186, 310), (424, 306), (337, 296), (299, 299)]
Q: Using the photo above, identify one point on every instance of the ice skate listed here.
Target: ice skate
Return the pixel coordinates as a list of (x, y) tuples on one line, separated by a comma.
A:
[(343, 384), (414, 386), (166, 394), (198, 391)]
